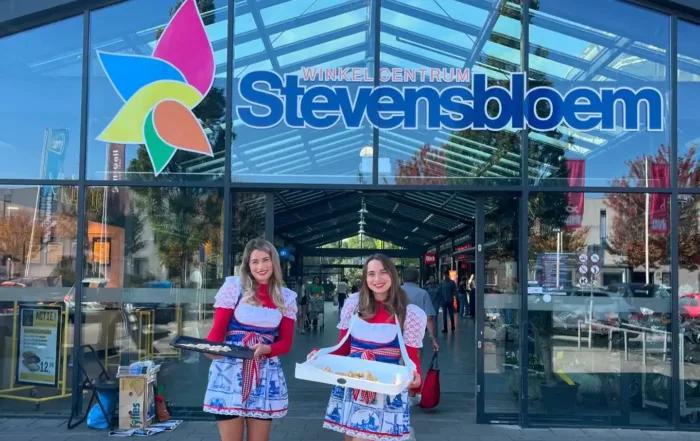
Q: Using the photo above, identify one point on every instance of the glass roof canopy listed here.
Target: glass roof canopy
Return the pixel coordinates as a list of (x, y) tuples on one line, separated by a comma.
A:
[(481, 34), (484, 35), (415, 221)]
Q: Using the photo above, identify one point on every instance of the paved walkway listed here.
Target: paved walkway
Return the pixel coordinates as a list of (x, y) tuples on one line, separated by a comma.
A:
[(453, 420), (302, 429)]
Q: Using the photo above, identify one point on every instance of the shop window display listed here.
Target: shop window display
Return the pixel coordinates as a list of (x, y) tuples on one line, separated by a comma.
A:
[(631, 53), (154, 261), (449, 43), (40, 111), (688, 89), (299, 37), (599, 314), (38, 244)]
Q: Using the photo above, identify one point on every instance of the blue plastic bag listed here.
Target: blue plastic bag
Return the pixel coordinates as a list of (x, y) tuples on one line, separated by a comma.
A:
[(95, 418)]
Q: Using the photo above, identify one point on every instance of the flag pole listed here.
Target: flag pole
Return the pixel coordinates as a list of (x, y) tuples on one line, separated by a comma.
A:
[(646, 219)]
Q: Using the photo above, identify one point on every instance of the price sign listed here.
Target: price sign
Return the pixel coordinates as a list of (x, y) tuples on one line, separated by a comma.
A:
[(37, 351)]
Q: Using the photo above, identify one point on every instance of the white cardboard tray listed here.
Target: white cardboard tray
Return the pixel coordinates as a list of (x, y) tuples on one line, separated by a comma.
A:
[(392, 378)]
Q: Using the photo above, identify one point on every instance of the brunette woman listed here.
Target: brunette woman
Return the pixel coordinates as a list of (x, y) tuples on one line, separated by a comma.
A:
[(256, 311), (361, 415)]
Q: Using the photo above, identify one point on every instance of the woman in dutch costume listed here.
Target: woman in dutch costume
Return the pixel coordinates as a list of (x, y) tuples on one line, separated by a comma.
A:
[(362, 415), (256, 311)]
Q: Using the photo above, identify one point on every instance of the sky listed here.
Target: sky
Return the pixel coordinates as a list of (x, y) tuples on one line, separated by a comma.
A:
[(54, 51)]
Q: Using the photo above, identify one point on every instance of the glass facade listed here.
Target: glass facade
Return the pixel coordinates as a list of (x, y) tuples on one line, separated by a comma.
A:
[(131, 183)]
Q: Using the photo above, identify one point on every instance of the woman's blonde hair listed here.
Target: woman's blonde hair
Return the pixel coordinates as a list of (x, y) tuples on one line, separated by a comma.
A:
[(396, 301), (250, 286)]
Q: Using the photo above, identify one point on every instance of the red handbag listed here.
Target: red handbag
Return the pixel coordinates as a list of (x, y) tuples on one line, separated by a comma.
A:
[(430, 396)]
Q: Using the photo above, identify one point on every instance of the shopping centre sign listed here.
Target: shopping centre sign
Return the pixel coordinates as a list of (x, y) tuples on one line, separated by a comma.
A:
[(453, 100), (160, 91)]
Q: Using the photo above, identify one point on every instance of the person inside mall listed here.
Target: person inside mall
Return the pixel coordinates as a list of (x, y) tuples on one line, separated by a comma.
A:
[(370, 318), (256, 311)]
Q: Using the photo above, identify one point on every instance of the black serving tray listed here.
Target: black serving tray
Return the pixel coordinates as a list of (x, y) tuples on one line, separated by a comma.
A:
[(236, 351)]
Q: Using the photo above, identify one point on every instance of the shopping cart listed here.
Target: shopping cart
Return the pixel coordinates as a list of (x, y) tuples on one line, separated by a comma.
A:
[(316, 316)]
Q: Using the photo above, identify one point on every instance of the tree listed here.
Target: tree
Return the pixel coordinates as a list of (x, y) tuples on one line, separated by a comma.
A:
[(544, 239), (426, 167), (627, 240), (248, 222), (16, 232)]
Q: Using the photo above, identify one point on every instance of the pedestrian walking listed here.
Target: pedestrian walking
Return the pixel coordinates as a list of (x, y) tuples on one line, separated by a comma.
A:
[(448, 291)]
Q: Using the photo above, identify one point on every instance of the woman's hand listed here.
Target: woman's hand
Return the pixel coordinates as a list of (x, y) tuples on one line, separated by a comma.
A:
[(261, 350), (416, 382), (312, 354), (212, 356)]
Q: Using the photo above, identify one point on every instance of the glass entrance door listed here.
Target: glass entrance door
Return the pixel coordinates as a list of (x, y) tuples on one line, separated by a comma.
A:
[(497, 296)]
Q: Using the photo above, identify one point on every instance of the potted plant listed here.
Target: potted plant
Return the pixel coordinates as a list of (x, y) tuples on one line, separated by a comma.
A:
[(591, 389), (557, 395)]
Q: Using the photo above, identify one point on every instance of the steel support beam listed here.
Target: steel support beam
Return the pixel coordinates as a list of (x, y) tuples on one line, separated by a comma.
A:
[(272, 56), (315, 219), (358, 252), (485, 33), (434, 210)]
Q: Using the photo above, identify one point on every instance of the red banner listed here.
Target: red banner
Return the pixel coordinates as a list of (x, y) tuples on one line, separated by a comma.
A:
[(659, 216), (574, 207), (430, 258)]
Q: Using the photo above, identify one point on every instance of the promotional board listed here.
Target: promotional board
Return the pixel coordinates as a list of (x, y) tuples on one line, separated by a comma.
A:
[(39, 339)]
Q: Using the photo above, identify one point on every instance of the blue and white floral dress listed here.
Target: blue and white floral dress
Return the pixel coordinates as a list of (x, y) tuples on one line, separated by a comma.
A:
[(371, 416), (249, 388)]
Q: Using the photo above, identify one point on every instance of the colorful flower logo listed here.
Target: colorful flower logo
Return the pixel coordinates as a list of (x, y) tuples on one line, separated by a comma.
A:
[(160, 91)]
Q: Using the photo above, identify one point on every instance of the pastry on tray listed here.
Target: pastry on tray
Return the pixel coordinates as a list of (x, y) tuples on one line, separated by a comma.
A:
[(207, 347)]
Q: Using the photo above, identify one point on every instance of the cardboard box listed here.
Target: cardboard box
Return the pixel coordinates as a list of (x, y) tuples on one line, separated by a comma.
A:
[(137, 407)]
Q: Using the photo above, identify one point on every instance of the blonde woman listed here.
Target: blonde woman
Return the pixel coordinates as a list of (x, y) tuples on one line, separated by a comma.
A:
[(254, 310)]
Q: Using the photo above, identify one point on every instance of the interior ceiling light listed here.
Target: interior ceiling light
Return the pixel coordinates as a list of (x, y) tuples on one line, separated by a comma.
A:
[(363, 209)]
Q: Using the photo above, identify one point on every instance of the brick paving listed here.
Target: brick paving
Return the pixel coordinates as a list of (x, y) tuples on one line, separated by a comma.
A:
[(428, 428), (453, 420)]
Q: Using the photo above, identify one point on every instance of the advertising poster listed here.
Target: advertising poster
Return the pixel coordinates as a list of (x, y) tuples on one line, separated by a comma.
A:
[(659, 213), (550, 275), (37, 351), (54, 253), (574, 208), (54, 154), (102, 251)]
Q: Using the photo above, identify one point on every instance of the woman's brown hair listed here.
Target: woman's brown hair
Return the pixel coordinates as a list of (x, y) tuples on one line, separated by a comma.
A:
[(250, 286), (396, 300)]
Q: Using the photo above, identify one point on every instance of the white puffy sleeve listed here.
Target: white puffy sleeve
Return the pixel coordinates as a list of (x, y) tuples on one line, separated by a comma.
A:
[(414, 326), (290, 303), (228, 294), (348, 311)]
